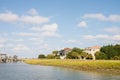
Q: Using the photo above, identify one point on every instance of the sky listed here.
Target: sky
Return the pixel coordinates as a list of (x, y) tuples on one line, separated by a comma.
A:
[(32, 27)]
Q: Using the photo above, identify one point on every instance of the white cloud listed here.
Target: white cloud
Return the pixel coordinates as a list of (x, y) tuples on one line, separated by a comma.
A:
[(46, 47), (9, 17), (49, 27), (71, 41), (115, 18), (21, 47), (34, 19), (16, 40), (95, 16), (2, 40), (1, 45), (49, 30), (102, 37), (88, 37), (30, 19), (37, 40), (25, 34), (9, 45), (95, 37), (99, 16), (116, 37), (50, 34), (113, 30), (82, 24), (33, 11)]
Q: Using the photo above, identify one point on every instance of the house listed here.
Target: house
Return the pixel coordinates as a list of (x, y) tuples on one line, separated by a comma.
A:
[(64, 52), (92, 50), (3, 57)]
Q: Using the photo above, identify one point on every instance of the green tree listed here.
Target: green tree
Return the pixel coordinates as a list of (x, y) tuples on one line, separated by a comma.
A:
[(84, 55), (116, 58), (55, 53), (50, 56), (111, 50), (78, 50), (57, 57), (41, 56), (73, 55), (89, 56), (101, 55)]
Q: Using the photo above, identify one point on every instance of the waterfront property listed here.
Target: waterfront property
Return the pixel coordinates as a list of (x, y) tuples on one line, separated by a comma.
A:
[(92, 50), (4, 58), (89, 50), (64, 52)]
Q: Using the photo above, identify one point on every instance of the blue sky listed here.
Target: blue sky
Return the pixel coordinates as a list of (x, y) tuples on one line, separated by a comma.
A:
[(32, 27)]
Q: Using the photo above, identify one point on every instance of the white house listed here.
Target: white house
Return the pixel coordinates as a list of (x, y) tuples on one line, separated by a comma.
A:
[(92, 50)]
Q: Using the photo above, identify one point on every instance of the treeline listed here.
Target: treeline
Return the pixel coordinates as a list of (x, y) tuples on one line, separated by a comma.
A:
[(108, 52), (53, 55)]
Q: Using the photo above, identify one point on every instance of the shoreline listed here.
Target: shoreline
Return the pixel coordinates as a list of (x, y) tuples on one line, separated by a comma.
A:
[(100, 66)]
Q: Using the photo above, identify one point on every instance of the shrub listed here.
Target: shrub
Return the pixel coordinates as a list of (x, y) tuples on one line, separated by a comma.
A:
[(41, 56)]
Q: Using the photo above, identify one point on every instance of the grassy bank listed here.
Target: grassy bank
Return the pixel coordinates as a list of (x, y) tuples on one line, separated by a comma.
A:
[(88, 65)]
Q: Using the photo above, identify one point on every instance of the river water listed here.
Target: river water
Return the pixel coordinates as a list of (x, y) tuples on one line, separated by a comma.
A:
[(22, 71)]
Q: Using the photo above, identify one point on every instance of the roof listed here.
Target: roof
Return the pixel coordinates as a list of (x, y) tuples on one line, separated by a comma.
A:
[(3, 54), (95, 47), (67, 48)]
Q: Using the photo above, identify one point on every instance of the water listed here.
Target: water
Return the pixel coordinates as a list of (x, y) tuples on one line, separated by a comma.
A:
[(22, 71)]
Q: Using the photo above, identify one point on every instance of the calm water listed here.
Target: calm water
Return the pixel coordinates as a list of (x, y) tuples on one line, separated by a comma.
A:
[(22, 71)]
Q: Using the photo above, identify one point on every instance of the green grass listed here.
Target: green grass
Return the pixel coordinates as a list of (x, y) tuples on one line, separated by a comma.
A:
[(89, 65)]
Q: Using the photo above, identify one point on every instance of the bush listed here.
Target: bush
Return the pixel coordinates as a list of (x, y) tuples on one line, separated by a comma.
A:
[(116, 58), (101, 55), (73, 55), (57, 57), (41, 56), (89, 56), (111, 50), (50, 56)]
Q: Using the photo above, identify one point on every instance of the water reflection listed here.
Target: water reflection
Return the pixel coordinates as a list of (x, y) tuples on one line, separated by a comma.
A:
[(22, 71)]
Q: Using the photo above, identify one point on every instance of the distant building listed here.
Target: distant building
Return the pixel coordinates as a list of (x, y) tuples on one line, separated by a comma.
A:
[(3, 57), (64, 52), (92, 50)]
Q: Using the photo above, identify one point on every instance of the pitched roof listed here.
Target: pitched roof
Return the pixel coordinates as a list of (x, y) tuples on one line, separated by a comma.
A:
[(67, 49), (95, 47)]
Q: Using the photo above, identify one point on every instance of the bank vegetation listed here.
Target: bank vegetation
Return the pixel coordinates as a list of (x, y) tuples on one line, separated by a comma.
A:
[(110, 66)]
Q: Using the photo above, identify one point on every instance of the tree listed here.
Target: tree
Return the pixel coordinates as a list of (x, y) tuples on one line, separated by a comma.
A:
[(50, 56), (84, 55), (73, 55), (111, 50), (116, 58), (101, 55), (89, 56), (77, 50), (55, 53), (41, 56)]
